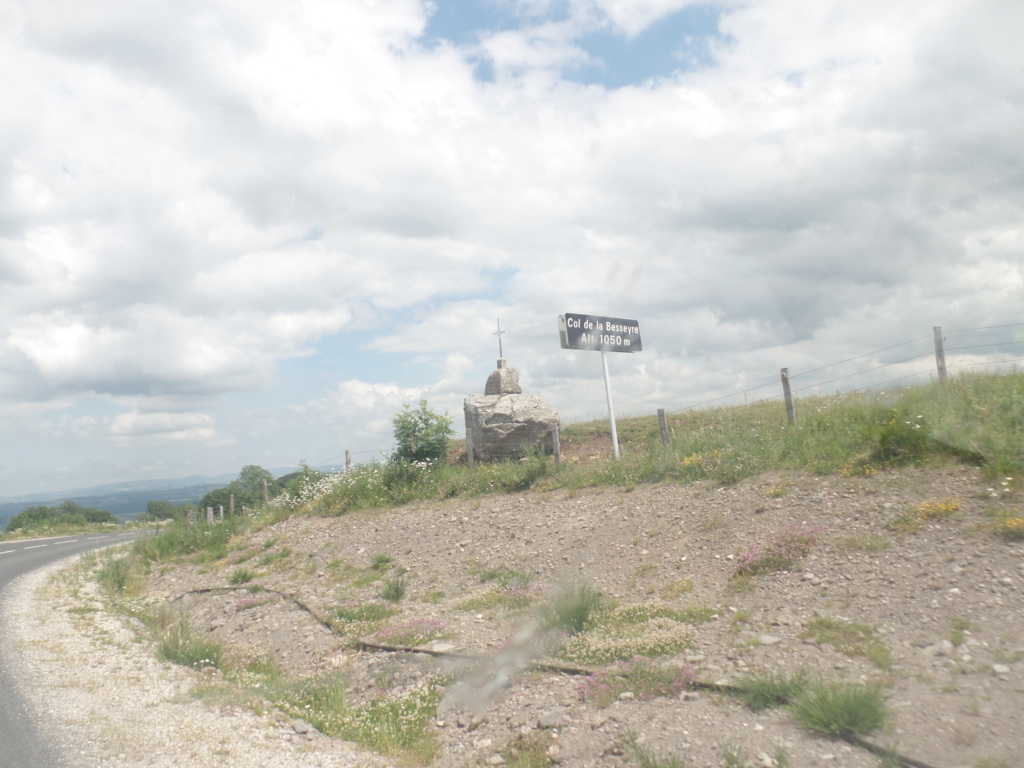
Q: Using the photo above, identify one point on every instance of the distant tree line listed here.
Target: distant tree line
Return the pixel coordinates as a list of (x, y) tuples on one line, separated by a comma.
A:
[(66, 513), (247, 490)]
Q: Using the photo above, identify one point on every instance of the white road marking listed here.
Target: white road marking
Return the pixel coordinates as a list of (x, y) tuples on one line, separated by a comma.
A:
[(8, 551), (36, 546)]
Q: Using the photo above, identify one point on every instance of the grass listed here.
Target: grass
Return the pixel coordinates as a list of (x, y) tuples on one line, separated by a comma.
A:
[(850, 639), (398, 726), (841, 709), (640, 677), (768, 690), (973, 418), (179, 643), (241, 576), (572, 608), (919, 515), (676, 588), (411, 633), (647, 758), (394, 589), (359, 620), (646, 630), (528, 750)]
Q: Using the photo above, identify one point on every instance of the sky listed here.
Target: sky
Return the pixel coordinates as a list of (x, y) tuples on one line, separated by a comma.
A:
[(248, 231)]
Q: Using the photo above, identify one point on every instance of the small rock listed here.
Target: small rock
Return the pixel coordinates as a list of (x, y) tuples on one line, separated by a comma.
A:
[(553, 718), (442, 647), (482, 743), (626, 696), (495, 759), (1000, 669), (769, 640), (690, 696), (301, 727)]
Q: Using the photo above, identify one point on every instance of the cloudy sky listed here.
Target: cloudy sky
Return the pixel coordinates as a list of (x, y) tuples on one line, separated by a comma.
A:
[(247, 231)]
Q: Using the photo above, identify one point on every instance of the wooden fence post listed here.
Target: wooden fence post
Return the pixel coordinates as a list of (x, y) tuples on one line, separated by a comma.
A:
[(663, 426), (790, 413), (209, 515), (220, 509), (348, 458), (555, 444), (231, 505), (940, 353), (266, 496)]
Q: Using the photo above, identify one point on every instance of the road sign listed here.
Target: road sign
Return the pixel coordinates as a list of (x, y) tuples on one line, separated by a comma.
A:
[(604, 334)]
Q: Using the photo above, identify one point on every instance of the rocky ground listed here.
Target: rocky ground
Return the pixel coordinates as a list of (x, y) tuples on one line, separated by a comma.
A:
[(936, 616)]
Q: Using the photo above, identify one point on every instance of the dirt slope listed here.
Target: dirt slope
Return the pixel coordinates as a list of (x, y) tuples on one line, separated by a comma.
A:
[(940, 612)]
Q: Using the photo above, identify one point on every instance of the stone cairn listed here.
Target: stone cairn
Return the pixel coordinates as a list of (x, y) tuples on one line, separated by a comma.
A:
[(503, 423)]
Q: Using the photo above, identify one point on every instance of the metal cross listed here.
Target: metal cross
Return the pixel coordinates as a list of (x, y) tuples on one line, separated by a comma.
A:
[(498, 333)]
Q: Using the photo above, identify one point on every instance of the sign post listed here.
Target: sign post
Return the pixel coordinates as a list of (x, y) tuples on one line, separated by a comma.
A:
[(603, 334)]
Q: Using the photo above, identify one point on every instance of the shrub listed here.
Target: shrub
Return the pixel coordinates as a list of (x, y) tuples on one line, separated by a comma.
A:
[(421, 434)]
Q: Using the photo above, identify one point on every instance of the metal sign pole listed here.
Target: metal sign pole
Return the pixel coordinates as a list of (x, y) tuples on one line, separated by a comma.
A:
[(611, 408)]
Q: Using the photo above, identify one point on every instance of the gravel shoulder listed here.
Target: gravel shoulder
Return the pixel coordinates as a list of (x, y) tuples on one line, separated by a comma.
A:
[(942, 605)]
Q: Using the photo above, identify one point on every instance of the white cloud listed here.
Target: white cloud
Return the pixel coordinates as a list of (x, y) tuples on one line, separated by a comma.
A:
[(195, 201)]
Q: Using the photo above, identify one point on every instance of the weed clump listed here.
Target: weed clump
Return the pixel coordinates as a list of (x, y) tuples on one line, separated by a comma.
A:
[(770, 689), (573, 608), (841, 709)]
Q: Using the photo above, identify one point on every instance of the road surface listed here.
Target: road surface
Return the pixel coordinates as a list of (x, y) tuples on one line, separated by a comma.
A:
[(21, 743)]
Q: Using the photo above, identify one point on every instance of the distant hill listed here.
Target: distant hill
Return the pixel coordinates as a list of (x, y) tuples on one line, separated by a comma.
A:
[(123, 500)]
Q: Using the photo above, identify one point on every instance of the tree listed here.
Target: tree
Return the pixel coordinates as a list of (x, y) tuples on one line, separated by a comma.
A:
[(66, 513), (250, 481), (421, 434), (247, 490)]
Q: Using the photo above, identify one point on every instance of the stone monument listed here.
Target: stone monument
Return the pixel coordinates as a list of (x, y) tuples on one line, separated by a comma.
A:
[(503, 423)]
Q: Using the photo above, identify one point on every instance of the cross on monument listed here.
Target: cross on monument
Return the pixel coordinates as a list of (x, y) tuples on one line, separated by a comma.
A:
[(498, 333)]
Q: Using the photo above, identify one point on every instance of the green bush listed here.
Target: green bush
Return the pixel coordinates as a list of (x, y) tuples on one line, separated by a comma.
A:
[(421, 434)]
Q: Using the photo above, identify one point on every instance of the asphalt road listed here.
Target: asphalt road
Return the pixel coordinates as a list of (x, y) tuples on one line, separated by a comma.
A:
[(22, 745)]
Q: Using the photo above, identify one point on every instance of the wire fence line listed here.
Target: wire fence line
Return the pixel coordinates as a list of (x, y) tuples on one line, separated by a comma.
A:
[(933, 352)]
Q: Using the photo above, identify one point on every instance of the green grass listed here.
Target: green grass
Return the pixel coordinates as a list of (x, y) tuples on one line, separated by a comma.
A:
[(849, 638), (572, 608), (241, 576), (528, 750), (768, 690), (841, 709), (394, 589), (179, 643), (398, 726)]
